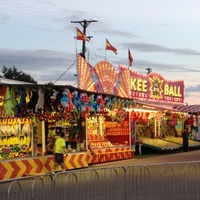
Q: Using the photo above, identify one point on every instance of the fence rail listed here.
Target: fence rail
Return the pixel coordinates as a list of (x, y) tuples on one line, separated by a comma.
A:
[(172, 181)]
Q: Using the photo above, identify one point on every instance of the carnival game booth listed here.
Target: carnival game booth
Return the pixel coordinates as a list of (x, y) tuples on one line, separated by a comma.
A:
[(32, 115), (96, 114), (148, 89), (190, 112), (162, 130), (149, 130), (109, 136), (173, 133)]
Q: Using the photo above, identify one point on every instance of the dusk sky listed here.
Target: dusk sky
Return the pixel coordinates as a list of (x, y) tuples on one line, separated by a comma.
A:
[(37, 37)]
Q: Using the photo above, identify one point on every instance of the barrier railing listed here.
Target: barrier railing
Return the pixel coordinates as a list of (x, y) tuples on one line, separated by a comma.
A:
[(172, 181)]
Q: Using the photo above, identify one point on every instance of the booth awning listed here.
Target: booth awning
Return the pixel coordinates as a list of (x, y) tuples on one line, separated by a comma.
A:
[(157, 106), (4, 81), (187, 108)]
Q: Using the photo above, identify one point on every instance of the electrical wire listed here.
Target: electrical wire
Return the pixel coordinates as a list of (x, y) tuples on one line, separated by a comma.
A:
[(142, 68), (31, 27), (64, 72), (94, 53), (20, 7)]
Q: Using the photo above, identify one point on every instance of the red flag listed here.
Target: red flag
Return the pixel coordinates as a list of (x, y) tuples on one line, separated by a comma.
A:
[(81, 36), (110, 47), (130, 58)]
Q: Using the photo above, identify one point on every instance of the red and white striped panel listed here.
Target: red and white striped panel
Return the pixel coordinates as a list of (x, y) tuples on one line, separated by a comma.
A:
[(188, 108)]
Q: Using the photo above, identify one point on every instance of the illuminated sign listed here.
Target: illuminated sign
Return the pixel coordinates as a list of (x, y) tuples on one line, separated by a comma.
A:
[(103, 78), (138, 85), (151, 87)]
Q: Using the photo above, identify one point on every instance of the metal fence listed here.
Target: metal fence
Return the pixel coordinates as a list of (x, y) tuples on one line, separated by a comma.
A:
[(153, 182)]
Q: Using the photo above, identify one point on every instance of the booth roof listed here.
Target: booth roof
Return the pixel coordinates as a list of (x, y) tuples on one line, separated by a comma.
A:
[(188, 108), (156, 105), (4, 81), (11, 82)]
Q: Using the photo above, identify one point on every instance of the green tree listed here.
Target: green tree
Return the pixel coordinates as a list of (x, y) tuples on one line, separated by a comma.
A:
[(15, 74), (49, 83)]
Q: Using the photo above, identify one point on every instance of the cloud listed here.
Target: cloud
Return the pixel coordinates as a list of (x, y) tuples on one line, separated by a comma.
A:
[(46, 3), (42, 65), (60, 67), (147, 47), (3, 18), (120, 34), (195, 88)]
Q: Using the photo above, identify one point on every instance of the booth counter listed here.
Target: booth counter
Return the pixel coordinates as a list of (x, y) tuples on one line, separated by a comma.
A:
[(108, 141), (27, 166)]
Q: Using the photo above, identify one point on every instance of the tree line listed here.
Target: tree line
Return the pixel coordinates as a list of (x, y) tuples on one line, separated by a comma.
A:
[(16, 74)]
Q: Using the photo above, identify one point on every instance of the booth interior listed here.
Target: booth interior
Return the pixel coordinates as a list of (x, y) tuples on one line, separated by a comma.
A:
[(99, 128), (160, 130)]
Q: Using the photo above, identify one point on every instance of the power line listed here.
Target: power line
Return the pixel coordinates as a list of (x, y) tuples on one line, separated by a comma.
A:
[(64, 72), (6, 23), (31, 9), (84, 24), (23, 9), (34, 14)]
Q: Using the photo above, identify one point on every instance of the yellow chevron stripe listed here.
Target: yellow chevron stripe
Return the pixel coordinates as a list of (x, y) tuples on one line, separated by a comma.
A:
[(67, 162), (82, 162), (34, 165), (9, 168), (22, 167), (82, 158), (75, 161), (51, 163), (43, 160)]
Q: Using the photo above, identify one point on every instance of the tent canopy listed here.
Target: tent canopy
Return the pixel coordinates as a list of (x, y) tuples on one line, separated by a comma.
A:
[(188, 108)]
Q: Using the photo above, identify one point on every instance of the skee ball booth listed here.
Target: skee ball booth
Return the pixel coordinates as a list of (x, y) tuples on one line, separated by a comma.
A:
[(105, 118)]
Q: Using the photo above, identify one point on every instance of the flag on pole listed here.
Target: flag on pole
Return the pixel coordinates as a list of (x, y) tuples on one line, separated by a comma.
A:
[(110, 47), (130, 58), (81, 36)]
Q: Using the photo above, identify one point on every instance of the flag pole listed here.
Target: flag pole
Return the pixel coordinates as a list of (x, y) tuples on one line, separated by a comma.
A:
[(76, 46), (105, 53), (128, 61), (76, 64), (128, 65)]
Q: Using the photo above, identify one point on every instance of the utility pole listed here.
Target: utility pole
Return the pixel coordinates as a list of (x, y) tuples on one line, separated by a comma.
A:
[(84, 24)]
